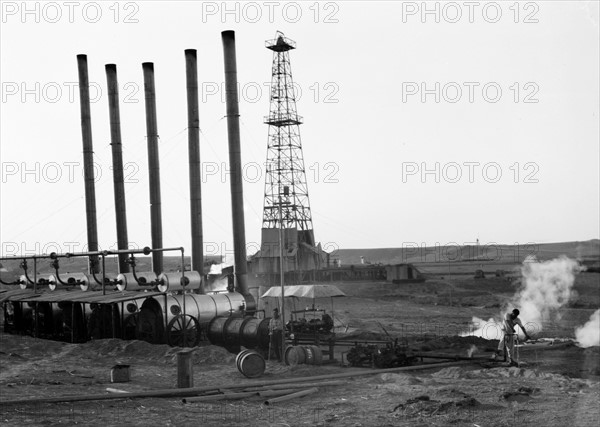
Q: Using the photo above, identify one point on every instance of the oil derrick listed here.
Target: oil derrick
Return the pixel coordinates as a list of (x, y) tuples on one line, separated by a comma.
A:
[(286, 204)]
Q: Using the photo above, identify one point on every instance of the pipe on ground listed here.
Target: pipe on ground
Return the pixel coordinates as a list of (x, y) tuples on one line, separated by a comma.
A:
[(224, 396), (300, 385), (183, 392), (291, 396)]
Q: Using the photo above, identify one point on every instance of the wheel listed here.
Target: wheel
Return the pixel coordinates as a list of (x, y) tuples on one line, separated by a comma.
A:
[(183, 331)]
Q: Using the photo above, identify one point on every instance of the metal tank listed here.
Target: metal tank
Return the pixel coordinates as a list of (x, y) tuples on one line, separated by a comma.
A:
[(170, 282), (127, 282), (162, 319)]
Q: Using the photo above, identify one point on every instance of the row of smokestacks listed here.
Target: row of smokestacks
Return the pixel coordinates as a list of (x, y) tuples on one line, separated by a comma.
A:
[(233, 130)]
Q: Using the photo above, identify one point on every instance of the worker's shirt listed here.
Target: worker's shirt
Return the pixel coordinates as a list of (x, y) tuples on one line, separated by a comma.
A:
[(274, 325), (508, 325)]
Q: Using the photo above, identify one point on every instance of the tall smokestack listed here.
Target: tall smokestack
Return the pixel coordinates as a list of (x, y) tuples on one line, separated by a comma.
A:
[(235, 161), (191, 72), (117, 159), (88, 162), (153, 167)]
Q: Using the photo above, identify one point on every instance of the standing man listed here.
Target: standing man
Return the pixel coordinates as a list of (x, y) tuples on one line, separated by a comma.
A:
[(275, 334), (507, 340)]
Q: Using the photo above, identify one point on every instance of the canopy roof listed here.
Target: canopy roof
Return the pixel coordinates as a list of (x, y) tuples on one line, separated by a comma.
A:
[(305, 291)]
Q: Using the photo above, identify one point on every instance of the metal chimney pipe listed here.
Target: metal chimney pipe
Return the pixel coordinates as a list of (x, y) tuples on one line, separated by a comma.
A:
[(153, 167), (191, 71), (235, 161), (88, 163), (117, 160)]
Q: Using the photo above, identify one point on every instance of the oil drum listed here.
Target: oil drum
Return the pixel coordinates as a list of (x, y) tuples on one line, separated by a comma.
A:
[(303, 354), (318, 355), (294, 355), (250, 363), (310, 355)]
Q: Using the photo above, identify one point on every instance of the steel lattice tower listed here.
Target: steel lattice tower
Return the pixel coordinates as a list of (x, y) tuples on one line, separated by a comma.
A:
[(285, 183)]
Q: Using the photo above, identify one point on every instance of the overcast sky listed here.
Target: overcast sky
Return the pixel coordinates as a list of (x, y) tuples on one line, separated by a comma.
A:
[(462, 121)]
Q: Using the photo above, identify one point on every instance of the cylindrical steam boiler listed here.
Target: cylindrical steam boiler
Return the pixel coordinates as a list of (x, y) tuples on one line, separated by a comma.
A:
[(161, 321)]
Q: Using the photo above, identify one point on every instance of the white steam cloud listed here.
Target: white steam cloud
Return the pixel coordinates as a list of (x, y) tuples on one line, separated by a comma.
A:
[(588, 335), (546, 287)]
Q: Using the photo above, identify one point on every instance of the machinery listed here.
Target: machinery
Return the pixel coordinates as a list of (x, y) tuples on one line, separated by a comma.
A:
[(155, 306), (317, 322), (157, 310), (390, 355)]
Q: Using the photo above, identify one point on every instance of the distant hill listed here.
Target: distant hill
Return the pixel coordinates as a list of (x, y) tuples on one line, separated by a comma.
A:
[(489, 253)]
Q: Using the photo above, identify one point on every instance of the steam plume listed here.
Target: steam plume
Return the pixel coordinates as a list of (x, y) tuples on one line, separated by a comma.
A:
[(545, 288), (588, 335)]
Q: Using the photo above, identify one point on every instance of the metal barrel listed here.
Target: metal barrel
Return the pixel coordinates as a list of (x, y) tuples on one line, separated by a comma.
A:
[(294, 355), (318, 355), (239, 356), (303, 354), (309, 352), (251, 364)]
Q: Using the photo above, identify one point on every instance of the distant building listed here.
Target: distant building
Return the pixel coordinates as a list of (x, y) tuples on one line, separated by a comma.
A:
[(402, 272)]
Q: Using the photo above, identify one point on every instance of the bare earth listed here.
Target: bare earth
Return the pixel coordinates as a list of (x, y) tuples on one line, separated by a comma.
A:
[(555, 385)]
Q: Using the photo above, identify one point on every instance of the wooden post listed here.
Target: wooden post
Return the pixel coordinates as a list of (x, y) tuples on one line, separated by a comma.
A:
[(185, 370)]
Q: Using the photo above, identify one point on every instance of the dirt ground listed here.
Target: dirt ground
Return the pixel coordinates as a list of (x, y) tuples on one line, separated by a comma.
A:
[(557, 384)]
